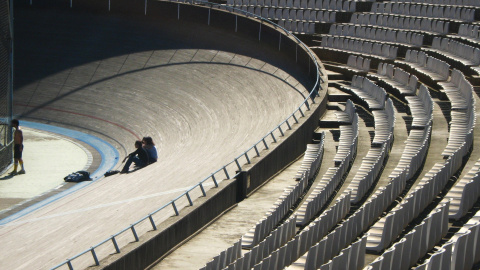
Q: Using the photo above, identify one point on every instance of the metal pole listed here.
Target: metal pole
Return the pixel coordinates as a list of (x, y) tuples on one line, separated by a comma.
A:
[(260, 31), (145, 7), (280, 42), (10, 90)]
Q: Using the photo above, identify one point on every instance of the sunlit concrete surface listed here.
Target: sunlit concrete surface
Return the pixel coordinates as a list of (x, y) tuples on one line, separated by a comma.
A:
[(48, 159)]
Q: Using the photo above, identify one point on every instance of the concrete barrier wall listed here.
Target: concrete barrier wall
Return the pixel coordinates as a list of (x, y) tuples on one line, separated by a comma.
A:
[(174, 231)]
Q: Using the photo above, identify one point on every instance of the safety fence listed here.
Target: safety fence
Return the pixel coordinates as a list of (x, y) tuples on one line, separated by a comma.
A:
[(6, 64)]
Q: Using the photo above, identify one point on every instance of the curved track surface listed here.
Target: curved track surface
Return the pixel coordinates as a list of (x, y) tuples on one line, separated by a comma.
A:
[(203, 94)]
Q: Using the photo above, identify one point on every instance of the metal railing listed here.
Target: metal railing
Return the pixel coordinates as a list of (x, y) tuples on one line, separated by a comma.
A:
[(225, 171)]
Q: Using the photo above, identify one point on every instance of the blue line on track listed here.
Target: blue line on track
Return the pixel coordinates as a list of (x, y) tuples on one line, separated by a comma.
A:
[(109, 159)]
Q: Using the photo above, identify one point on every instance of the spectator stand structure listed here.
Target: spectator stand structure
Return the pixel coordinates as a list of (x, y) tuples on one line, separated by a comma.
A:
[(424, 55)]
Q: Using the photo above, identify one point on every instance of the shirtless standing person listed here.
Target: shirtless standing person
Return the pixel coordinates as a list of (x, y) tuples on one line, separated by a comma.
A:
[(17, 148)]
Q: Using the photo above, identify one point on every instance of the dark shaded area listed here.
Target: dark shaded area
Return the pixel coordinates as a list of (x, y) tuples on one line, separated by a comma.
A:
[(52, 39)]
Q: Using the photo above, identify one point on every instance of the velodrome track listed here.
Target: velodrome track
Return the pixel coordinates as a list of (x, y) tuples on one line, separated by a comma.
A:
[(203, 94)]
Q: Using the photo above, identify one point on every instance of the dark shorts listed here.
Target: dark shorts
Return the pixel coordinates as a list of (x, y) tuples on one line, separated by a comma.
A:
[(17, 151)]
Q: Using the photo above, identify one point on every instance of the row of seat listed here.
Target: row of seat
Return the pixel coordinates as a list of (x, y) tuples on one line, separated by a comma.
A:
[(397, 78), (374, 49), (402, 22), (414, 153), (372, 163), (384, 125), (383, 232), (469, 31), (415, 244), (357, 223), (421, 108), (348, 140), (380, 34), (458, 51), (459, 91), (353, 227), (421, 10), (436, 69), (298, 27), (470, 3), (358, 63), (286, 14), (278, 211), (310, 165), (372, 95), (350, 258), (342, 5), (225, 258), (312, 159), (465, 193), (347, 116), (307, 237), (460, 252), (369, 170), (461, 130), (320, 195)]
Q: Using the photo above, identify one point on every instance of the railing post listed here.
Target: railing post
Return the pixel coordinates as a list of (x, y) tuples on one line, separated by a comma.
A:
[(189, 199), (210, 9), (265, 143), (236, 23), (281, 131), (152, 222), (94, 256), (288, 124), (175, 208), (134, 233), (71, 3), (115, 244), (214, 180), (109, 5), (280, 41), (294, 117), (238, 164), (178, 12), (273, 137), (296, 54), (260, 30), (145, 7), (69, 263), (256, 150), (203, 190), (246, 156), (226, 172), (300, 109)]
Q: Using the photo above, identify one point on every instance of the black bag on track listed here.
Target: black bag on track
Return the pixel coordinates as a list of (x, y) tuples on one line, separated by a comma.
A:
[(77, 177)]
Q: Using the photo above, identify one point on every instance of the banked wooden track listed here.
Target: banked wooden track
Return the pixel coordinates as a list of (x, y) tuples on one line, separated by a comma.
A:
[(203, 94)]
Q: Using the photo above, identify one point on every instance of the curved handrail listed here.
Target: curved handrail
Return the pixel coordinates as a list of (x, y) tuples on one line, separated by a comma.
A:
[(263, 141)]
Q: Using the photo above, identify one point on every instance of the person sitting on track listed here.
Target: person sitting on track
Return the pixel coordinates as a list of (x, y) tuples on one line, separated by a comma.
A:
[(140, 157)]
